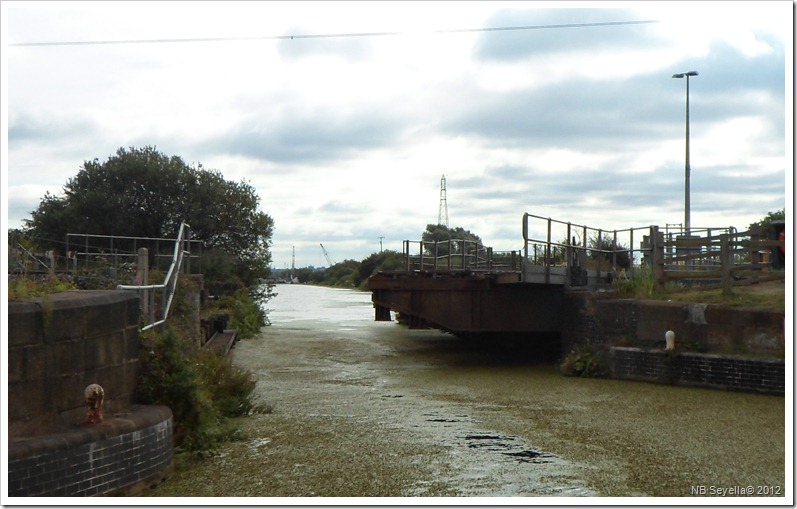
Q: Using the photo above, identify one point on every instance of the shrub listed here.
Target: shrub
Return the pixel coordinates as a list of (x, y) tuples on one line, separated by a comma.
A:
[(167, 376), (230, 388), (201, 388), (640, 285), (584, 362), (246, 314)]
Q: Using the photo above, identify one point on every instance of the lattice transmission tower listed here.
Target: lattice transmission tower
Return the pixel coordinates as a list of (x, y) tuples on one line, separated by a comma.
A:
[(443, 212)]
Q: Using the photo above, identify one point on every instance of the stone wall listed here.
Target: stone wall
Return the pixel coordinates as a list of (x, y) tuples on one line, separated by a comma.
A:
[(715, 346), (600, 319), (60, 344)]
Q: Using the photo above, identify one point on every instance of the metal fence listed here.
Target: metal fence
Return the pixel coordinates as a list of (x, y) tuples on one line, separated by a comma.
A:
[(84, 251), (560, 252), (577, 255), (156, 310), (457, 254)]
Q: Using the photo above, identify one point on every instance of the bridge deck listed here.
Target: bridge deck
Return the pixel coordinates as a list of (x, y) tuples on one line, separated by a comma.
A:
[(468, 302)]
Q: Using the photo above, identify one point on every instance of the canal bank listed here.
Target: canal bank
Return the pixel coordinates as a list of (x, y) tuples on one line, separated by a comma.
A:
[(363, 409)]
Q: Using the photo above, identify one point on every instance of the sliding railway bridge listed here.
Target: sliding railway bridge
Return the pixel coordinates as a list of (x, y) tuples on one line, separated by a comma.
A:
[(471, 290)]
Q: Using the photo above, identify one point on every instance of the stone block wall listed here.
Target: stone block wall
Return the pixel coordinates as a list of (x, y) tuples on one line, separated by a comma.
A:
[(599, 319), (60, 344), (715, 346)]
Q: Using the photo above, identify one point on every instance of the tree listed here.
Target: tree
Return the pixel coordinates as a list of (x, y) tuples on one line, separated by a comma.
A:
[(766, 221), (439, 233), (144, 193), (604, 248), (386, 260)]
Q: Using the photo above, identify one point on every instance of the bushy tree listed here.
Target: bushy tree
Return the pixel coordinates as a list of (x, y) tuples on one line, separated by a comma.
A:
[(385, 261), (144, 193), (778, 215), (605, 249), (440, 233)]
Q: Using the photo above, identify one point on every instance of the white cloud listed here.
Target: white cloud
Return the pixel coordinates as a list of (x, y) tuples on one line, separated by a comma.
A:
[(346, 138)]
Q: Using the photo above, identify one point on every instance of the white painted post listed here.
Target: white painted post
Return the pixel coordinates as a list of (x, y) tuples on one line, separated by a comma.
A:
[(669, 337)]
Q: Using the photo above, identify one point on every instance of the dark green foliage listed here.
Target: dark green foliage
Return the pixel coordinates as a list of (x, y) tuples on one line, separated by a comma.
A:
[(167, 376), (605, 249), (343, 275), (384, 261), (144, 193), (230, 388), (440, 233), (778, 215), (245, 311), (201, 388), (584, 362), (351, 273)]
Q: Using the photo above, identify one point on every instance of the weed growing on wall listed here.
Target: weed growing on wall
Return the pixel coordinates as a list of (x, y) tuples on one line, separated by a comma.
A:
[(21, 286), (584, 362)]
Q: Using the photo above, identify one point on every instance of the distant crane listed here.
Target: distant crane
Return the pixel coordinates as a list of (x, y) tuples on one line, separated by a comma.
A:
[(326, 255)]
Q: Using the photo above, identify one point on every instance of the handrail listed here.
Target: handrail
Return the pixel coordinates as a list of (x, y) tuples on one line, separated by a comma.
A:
[(169, 284)]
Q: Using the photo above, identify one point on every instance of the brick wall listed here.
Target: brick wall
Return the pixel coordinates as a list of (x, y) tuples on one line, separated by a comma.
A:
[(60, 344), (696, 369), (122, 456)]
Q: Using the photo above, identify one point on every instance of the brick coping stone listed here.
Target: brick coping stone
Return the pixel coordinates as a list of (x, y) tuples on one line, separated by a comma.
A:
[(135, 418)]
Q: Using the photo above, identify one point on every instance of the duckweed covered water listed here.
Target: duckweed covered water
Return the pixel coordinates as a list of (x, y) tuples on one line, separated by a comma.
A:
[(370, 409)]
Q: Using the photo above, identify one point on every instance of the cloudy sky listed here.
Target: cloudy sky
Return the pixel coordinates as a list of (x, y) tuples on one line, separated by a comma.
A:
[(346, 129)]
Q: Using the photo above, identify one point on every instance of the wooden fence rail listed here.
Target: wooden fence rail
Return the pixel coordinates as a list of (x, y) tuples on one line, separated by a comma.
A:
[(725, 260)]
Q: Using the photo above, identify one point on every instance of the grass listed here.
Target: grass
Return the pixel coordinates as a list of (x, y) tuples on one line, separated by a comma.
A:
[(739, 297), (24, 287), (768, 295)]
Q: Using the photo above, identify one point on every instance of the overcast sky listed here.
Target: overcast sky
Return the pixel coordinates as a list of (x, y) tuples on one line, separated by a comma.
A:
[(346, 138)]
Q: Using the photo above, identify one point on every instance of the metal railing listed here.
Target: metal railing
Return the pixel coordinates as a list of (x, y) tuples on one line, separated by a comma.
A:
[(577, 255), (86, 250), (565, 253), (167, 288), (594, 257), (456, 254)]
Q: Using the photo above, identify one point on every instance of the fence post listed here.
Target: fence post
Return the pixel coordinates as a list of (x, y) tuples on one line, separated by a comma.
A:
[(51, 261), (547, 254), (631, 254), (657, 256), (142, 277), (727, 263)]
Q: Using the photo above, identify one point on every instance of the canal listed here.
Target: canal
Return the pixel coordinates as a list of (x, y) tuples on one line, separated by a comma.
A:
[(372, 409)]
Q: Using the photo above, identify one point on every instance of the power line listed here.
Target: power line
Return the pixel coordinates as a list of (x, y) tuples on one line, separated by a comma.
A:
[(332, 36)]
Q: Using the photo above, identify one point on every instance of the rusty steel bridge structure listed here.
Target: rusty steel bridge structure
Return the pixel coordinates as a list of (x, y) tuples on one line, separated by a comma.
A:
[(465, 288)]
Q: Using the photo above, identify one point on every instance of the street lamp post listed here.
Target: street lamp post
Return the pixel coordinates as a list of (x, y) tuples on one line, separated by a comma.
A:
[(687, 209)]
